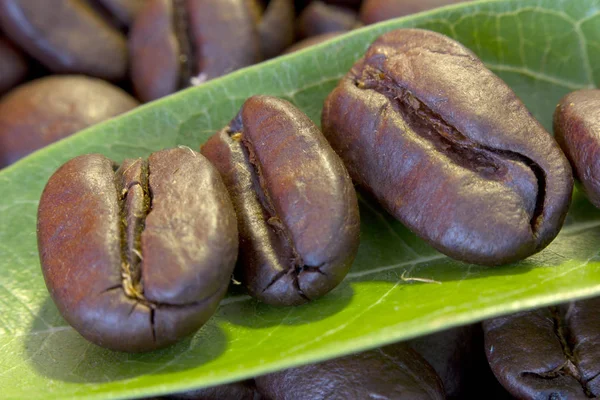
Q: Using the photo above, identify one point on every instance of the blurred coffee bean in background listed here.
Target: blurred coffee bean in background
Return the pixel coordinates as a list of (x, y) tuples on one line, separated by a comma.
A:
[(313, 40), (372, 11), (319, 18), (67, 36), (275, 23), (171, 46), (43, 111), (13, 65)]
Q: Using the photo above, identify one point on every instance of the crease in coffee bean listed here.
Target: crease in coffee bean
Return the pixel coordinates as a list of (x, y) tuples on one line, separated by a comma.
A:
[(187, 52), (296, 263), (484, 160), (570, 367)]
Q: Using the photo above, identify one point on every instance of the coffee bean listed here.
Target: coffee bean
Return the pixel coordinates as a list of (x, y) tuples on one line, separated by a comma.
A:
[(319, 18), (577, 130), (244, 390), (43, 111), (173, 41), (123, 11), (13, 65), (311, 41), (137, 256), (454, 355), (373, 11), (296, 206), (275, 23), (549, 353), (448, 149), (391, 372), (67, 36)]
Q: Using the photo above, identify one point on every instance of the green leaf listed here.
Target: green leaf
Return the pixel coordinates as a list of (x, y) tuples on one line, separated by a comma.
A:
[(542, 48)]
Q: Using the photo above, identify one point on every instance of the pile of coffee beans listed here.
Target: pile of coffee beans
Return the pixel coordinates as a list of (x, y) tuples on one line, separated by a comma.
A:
[(144, 50), (270, 201), (549, 353)]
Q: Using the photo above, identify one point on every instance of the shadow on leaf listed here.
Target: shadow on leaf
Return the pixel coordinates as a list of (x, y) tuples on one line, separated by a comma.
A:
[(60, 353)]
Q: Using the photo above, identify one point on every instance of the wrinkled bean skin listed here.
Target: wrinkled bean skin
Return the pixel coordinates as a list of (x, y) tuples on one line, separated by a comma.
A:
[(43, 111), (319, 18), (373, 11), (296, 206), (550, 353), (577, 131), (164, 58), (13, 65), (394, 372), (448, 149), (138, 257), (67, 36)]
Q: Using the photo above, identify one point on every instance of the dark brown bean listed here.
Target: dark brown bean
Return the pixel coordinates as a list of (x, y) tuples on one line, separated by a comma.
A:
[(453, 354), (550, 353), (275, 23), (138, 257), (124, 11), (393, 372), (319, 18), (448, 149), (43, 111), (296, 206), (67, 36), (174, 43), (311, 41), (13, 65), (577, 130), (244, 390), (373, 11)]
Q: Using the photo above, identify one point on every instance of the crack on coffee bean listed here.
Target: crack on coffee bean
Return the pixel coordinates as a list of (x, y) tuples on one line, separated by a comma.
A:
[(275, 279), (132, 308), (570, 367), (133, 213), (486, 161), (152, 323), (187, 52), (299, 289), (260, 188), (110, 288), (592, 378), (276, 225)]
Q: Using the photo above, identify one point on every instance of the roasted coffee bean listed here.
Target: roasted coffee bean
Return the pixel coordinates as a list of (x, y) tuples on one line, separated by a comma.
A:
[(296, 206), (43, 111), (123, 12), (577, 130), (392, 372), (174, 43), (319, 18), (448, 149), (244, 390), (453, 354), (373, 11), (137, 256), (67, 36), (13, 65), (275, 23), (311, 41), (550, 353)]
